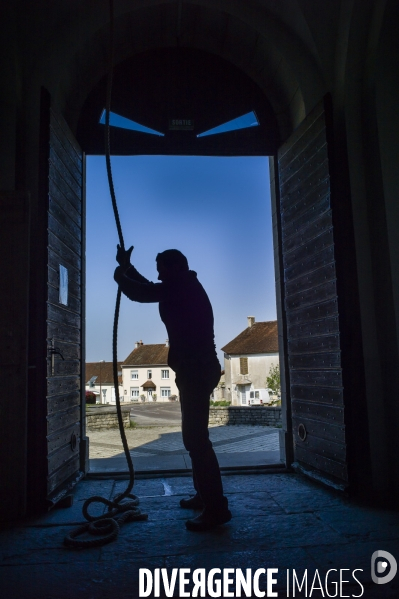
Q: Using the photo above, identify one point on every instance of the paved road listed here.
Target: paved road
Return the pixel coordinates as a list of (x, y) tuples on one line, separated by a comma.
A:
[(167, 440), (156, 443), (156, 414)]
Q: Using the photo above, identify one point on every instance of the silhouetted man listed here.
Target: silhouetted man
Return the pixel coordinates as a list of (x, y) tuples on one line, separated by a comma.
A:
[(186, 311)]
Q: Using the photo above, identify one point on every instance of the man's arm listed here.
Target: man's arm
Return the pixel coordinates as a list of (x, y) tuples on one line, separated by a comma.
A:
[(140, 289), (134, 275), (125, 267)]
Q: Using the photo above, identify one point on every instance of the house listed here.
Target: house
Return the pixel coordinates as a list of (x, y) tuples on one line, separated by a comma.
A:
[(146, 375), (248, 358), (100, 380)]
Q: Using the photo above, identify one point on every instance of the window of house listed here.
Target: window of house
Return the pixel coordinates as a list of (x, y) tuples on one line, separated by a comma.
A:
[(134, 392), (165, 391), (243, 365), (165, 374), (149, 374), (134, 374)]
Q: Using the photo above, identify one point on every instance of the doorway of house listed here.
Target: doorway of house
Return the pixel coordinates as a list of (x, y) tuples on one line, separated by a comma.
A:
[(217, 211)]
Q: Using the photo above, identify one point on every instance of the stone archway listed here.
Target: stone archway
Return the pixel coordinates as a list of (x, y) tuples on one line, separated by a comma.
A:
[(190, 59)]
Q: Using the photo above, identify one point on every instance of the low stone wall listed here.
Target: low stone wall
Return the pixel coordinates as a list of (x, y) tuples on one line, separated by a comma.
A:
[(254, 415), (101, 418)]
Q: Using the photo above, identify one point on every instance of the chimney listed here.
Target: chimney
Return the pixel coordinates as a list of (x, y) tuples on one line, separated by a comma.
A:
[(136, 345), (251, 321), (167, 343), (141, 343)]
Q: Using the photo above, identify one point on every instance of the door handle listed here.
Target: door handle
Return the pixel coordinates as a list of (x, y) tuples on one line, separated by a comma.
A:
[(51, 352)]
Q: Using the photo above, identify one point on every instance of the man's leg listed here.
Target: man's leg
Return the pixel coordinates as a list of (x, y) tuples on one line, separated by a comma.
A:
[(195, 386), (206, 473), (194, 502)]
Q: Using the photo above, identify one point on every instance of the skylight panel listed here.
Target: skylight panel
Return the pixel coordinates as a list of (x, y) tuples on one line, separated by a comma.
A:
[(242, 122), (115, 120)]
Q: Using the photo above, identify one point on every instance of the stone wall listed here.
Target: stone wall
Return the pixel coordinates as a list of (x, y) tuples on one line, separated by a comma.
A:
[(259, 415), (101, 418)]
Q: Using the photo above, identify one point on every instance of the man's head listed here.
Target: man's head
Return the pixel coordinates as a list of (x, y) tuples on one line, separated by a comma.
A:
[(171, 263)]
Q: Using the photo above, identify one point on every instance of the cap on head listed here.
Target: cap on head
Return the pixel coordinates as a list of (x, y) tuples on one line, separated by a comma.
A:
[(173, 259)]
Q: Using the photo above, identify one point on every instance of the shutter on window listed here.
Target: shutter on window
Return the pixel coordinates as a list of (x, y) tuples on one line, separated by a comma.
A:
[(243, 365)]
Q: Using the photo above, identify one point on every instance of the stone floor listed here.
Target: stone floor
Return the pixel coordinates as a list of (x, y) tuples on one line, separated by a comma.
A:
[(280, 521)]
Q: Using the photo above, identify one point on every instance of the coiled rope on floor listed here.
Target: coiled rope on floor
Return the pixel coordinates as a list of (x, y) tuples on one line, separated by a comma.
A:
[(124, 506)]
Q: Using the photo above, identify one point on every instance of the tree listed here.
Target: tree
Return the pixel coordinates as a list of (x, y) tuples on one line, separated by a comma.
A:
[(273, 380), (90, 397)]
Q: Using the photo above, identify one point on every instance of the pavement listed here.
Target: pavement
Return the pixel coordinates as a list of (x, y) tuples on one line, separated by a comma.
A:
[(159, 448), (156, 414), (311, 536)]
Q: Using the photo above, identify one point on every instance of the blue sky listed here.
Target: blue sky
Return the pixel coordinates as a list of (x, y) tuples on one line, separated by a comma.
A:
[(215, 210)]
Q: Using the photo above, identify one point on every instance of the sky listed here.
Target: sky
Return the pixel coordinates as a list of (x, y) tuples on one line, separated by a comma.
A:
[(215, 210)]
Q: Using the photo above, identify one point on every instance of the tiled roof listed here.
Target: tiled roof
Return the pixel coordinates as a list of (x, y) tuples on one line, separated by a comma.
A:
[(94, 369), (148, 355), (149, 385), (260, 338)]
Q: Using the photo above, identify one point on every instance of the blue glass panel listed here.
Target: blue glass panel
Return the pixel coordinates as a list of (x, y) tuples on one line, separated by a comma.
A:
[(115, 120), (242, 122)]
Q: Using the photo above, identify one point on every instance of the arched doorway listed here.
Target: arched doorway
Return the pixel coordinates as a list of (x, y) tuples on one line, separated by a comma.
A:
[(237, 85)]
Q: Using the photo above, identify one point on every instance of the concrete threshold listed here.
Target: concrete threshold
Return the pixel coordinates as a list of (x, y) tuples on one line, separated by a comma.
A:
[(180, 464), (154, 474)]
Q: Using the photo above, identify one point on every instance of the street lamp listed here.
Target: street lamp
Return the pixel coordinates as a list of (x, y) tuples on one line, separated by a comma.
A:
[(101, 362)]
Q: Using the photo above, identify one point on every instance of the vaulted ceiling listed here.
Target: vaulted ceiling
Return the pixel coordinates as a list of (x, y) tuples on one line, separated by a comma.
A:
[(275, 44)]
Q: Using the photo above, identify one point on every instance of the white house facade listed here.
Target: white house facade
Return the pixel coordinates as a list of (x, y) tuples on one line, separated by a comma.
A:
[(248, 359), (146, 375)]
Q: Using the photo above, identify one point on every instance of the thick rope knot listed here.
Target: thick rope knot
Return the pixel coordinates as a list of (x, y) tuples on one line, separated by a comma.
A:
[(120, 504), (106, 527)]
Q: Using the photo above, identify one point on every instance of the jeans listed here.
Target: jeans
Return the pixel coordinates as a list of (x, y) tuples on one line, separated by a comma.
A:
[(196, 381)]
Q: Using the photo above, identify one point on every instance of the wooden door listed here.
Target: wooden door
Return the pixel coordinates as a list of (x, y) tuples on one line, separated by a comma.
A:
[(311, 301), (65, 309)]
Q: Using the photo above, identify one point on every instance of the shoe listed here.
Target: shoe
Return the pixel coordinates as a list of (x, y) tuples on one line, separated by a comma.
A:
[(208, 520), (194, 503)]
